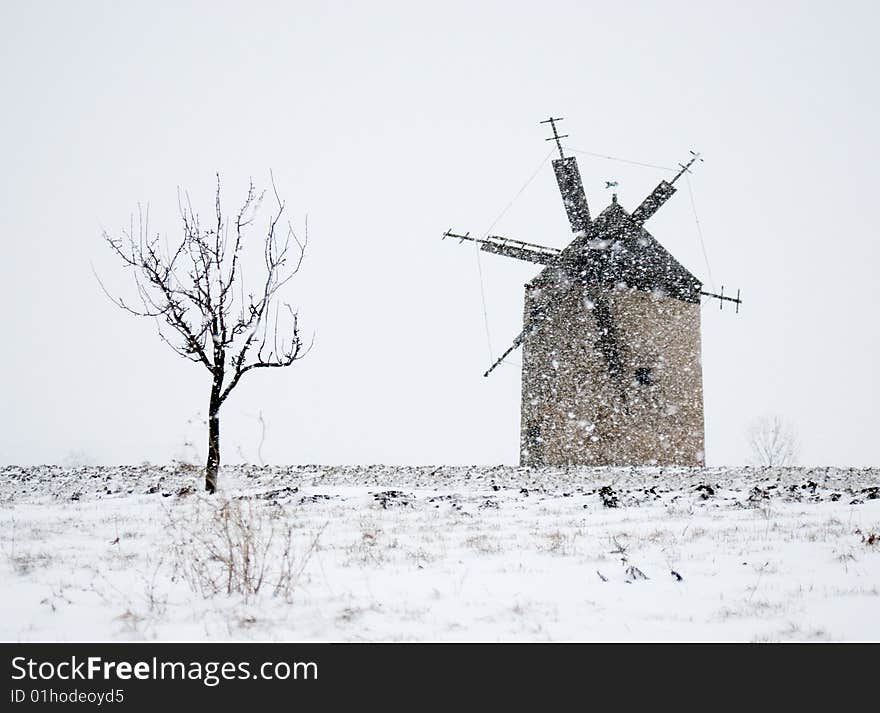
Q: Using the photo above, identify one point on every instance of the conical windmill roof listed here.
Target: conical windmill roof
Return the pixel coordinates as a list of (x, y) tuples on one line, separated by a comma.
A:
[(617, 251)]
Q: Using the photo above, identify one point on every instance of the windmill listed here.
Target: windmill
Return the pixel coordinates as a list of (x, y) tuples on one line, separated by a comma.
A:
[(611, 371)]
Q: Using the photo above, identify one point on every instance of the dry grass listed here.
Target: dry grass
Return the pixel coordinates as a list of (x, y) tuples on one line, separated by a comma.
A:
[(236, 547), (484, 544)]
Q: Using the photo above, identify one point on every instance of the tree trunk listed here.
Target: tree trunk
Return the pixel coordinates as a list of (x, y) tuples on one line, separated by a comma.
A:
[(213, 464)]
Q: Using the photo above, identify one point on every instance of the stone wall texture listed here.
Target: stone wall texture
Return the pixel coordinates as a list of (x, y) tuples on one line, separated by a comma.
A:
[(621, 391)]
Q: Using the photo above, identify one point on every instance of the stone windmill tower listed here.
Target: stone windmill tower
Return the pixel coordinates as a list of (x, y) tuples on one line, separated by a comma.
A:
[(611, 371)]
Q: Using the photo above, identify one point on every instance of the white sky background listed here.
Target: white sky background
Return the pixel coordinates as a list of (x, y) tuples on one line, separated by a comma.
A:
[(390, 122)]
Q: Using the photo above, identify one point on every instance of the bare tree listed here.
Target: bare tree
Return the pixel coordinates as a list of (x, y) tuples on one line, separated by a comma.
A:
[(195, 292), (772, 441)]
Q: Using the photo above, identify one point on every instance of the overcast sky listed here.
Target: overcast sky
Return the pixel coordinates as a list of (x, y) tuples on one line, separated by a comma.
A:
[(388, 123)]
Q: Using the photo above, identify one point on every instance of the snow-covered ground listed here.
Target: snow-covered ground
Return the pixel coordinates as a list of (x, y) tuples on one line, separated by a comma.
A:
[(433, 554)]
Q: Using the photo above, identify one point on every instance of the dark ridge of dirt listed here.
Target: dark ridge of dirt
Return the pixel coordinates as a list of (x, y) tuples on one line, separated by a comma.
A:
[(396, 486)]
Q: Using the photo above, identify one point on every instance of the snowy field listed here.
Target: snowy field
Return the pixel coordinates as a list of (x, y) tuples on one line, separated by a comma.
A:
[(440, 554)]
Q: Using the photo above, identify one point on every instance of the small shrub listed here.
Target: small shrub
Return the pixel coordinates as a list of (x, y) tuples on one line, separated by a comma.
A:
[(237, 547), (870, 539)]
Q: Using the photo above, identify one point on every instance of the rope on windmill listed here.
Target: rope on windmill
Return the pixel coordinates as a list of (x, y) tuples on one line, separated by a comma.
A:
[(518, 193), (700, 232), (621, 160), (485, 234)]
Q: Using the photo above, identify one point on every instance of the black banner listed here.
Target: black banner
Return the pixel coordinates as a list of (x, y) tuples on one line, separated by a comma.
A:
[(406, 676)]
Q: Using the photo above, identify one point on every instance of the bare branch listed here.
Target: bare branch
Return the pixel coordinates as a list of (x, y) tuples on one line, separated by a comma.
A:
[(772, 442), (194, 289)]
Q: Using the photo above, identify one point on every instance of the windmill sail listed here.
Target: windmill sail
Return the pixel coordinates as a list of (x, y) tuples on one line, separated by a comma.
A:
[(662, 193), (519, 249), (541, 257), (568, 177), (516, 342), (653, 202)]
